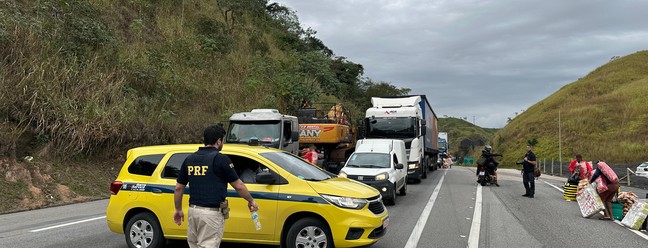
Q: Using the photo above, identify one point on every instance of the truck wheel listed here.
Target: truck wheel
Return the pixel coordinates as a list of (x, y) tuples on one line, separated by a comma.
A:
[(309, 232), (403, 190), (143, 230)]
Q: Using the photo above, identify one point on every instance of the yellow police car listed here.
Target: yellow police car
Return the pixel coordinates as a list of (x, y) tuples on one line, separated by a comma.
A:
[(300, 205)]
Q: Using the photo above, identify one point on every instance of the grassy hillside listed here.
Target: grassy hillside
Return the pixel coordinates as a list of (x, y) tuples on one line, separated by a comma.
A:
[(83, 81), (603, 116), (465, 138)]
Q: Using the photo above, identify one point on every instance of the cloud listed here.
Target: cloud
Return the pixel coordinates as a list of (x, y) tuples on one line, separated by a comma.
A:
[(487, 58)]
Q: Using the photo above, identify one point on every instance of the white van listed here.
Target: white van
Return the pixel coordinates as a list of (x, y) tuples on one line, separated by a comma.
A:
[(379, 163)]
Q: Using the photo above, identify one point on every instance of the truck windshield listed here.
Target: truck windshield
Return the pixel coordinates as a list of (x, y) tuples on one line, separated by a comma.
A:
[(369, 160), (265, 132), (442, 146), (401, 127)]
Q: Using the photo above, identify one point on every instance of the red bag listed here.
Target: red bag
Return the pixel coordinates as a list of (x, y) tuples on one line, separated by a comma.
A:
[(601, 185), (608, 172)]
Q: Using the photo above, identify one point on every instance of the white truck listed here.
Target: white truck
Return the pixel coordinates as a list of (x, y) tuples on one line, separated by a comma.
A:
[(411, 119), (267, 126), (379, 163)]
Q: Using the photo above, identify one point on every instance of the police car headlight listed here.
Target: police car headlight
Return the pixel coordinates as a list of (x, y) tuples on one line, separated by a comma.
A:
[(342, 174), (382, 176), (346, 202), (413, 166)]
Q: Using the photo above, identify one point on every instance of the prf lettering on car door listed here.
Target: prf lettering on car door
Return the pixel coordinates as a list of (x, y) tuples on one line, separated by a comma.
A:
[(197, 170)]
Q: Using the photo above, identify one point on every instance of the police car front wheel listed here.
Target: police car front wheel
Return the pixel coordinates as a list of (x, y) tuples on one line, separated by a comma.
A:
[(143, 231), (309, 232)]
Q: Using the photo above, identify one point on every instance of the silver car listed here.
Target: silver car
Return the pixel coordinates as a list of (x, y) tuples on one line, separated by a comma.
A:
[(642, 170)]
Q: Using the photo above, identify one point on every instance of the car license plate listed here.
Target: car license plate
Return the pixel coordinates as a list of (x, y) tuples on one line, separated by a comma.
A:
[(481, 173), (385, 222)]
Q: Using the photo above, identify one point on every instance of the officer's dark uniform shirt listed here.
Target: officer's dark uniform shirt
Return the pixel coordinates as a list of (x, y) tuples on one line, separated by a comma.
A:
[(528, 167), (208, 171)]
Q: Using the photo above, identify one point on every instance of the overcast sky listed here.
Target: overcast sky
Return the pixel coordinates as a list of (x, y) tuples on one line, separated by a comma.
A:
[(486, 59)]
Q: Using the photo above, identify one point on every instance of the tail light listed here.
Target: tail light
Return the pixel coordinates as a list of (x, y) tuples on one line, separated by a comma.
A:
[(115, 187)]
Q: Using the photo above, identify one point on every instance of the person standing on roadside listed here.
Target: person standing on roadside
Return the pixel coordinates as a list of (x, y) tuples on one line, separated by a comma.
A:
[(209, 172), (585, 170), (312, 155), (528, 177)]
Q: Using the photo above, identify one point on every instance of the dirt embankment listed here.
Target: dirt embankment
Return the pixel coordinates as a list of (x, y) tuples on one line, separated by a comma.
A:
[(35, 184)]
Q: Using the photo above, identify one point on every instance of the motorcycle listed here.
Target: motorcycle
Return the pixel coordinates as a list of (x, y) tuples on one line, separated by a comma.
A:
[(484, 177)]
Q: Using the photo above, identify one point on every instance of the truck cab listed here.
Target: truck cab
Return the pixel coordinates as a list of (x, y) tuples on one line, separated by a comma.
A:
[(411, 119), (268, 127), (379, 163)]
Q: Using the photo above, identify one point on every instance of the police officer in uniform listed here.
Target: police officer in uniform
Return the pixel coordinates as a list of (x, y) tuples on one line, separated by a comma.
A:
[(528, 176), (209, 172)]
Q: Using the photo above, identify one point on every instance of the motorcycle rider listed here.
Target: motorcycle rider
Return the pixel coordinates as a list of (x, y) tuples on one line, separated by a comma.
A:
[(491, 164)]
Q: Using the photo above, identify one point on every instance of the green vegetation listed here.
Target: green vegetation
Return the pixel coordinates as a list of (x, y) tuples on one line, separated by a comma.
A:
[(94, 77), (465, 139), (86, 80), (603, 116)]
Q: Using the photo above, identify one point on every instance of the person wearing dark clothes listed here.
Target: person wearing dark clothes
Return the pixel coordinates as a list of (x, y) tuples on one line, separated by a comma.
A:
[(609, 178), (528, 177), (490, 162), (209, 172)]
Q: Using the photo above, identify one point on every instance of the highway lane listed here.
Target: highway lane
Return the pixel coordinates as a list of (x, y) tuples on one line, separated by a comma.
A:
[(505, 219)]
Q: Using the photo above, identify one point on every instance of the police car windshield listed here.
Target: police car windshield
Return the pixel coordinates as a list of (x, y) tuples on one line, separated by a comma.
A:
[(296, 166), (369, 160)]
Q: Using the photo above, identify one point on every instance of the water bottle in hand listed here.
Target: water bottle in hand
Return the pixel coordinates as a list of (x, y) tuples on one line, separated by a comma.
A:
[(255, 219)]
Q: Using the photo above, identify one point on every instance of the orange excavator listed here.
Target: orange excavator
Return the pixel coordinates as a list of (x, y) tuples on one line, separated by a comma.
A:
[(331, 130)]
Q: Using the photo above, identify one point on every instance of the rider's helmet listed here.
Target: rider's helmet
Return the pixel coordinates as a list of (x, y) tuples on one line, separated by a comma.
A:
[(488, 148)]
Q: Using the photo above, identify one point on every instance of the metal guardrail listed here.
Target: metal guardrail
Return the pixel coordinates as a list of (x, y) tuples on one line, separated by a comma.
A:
[(542, 163), (628, 172)]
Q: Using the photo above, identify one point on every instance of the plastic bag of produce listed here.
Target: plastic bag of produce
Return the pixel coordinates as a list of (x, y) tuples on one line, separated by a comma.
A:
[(636, 215), (589, 201)]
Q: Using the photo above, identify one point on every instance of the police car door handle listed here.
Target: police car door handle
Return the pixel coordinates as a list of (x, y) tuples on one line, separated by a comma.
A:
[(157, 191)]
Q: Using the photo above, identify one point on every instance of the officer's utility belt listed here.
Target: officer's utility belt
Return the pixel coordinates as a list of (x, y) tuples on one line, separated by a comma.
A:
[(204, 208), (224, 208)]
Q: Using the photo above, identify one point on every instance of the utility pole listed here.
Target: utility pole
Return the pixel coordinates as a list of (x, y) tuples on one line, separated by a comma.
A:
[(559, 143), (473, 120)]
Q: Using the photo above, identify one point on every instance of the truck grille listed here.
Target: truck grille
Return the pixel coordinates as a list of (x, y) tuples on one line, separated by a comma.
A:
[(362, 178), (375, 205)]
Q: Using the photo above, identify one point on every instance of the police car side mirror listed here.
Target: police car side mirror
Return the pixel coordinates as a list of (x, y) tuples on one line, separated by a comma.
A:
[(399, 166), (265, 178)]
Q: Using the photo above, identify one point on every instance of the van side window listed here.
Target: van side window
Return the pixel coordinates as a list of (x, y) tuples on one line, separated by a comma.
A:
[(395, 159), (172, 167), (145, 165)]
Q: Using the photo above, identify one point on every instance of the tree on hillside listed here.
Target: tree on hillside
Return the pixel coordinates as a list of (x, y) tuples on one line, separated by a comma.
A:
[(348, 74), (377, 89)]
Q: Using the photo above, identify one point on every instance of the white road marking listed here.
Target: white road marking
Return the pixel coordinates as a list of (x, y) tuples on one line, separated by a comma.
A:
[(473, 238), (633, 230), (67, 224), (618, 222), (556, 187), (413, 240)]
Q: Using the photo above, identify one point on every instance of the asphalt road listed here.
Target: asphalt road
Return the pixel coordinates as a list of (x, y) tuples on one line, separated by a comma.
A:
[(439, 212)]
